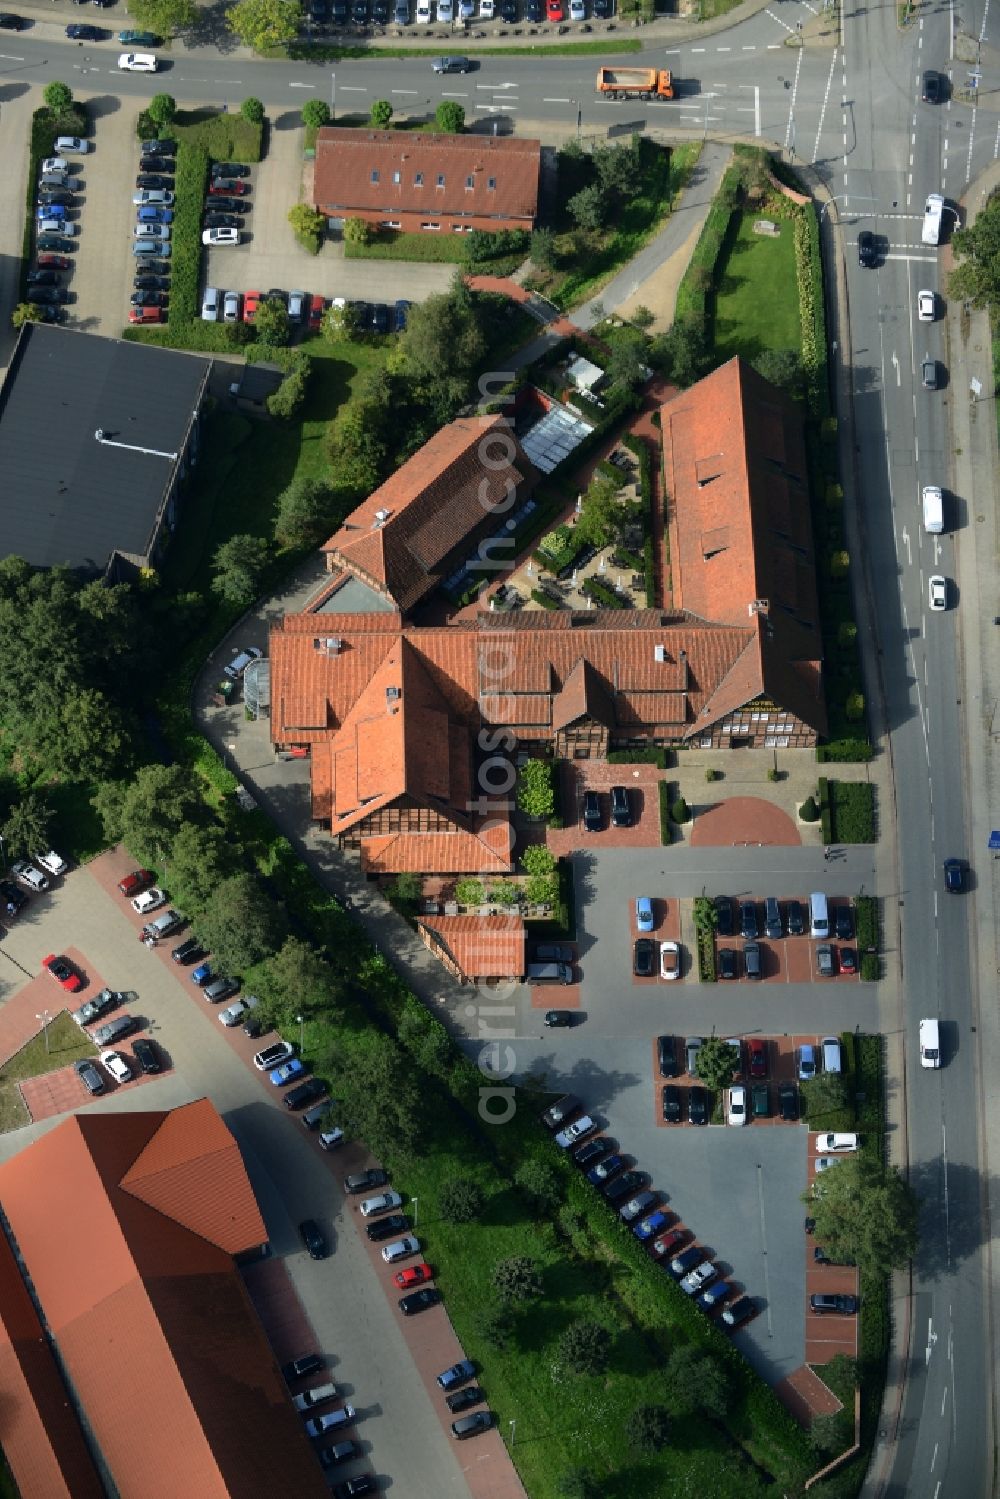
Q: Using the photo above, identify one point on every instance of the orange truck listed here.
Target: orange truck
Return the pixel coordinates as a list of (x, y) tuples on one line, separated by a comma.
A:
[(635, 83)]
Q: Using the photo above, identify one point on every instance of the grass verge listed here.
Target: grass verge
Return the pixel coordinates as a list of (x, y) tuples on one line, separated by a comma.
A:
[(67, 1043), (300, 52)]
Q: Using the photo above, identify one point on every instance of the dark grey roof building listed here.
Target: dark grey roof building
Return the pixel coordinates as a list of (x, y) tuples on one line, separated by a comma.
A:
[(96, 436)]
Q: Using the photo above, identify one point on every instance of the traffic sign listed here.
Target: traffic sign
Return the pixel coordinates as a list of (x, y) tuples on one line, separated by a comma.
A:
[(995, 839)]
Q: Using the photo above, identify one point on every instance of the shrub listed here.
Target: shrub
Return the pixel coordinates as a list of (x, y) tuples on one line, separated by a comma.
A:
[(854, 708), (538, 1181), (484, 245), (845, 750), (585, 1347), (58, 97), (774, 774), (517, 1278), (460, 1200), (449, 117), (809, 812), (380, 114), (308, 225), (358, 232), (287, 401), (252, 111), (469, 892), (648, 1428), (713, 775), (666, 836), (544, 599), (535, 793), (679, 811), (537, 859), (852, 812), (871, 967), (653, 754)]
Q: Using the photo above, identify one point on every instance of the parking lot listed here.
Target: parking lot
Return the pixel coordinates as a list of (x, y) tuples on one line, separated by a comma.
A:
[(385, 1370)]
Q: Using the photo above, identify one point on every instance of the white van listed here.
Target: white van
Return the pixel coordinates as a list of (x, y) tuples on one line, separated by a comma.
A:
[(933, 212), (930, 1044), (819, 915), (830, 1048), (933, 509)]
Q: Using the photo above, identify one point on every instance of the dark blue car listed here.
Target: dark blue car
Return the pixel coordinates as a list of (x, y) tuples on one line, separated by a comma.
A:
[(600, 1173), (202, 974)]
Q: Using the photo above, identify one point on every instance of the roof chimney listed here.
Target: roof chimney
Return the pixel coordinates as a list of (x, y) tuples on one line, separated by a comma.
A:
[(757, 606), (381, 516)]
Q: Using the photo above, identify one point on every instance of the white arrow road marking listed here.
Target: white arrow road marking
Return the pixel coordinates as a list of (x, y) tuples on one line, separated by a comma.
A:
[(906, 543), (895, 364)]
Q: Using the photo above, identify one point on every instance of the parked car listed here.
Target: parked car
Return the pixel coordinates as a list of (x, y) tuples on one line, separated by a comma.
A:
[(644, 958), (824, 1162), (698, 1277), (670, 960), (93, 1009), (419, 1301), (686, 1260), (795, 918), (737, 1311), (637, 1206), (220, 989), (726, 963), (12, 899), (64, 972), (300, 1368), (591, 1150), (458, 1374), (593, 820), (393, 1225), (788, 1102), (413, 1275), (666, 1055), (576, 1131), (187, 951), (736, 1105), (147, 246), (238, 665), (665, 1244), (558, 1019), (847, 960), (671, 1104), (561, 1111), (724, 916), (115, 1030), (312, 1238), (715, 1295), (149, 900), (117, 1066), (757, 1053), (827, 1301), (697, 1106), (318, 1426), (220, 237), (29, 875), (605, 1170), (380, 1204), (146, 1054), (231, 307), (138, 39), (760, 1101), (469, 1426), (692, 1046), (230, 169), (287, 1072), (650, 1226), (363, 1181), (622, 1186), (824, 961), (834, 1143), (463, 1400), (552, 952), (54, 262), (76, 32), (806, 1062), (89, 1075), (644, 918)]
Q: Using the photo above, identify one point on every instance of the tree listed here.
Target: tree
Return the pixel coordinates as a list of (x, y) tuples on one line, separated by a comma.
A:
[(706, 914), (495, 1326), (340, 322), (58, 97), (809, 812), (626, 366), (538, 860), (305, 511), (425, 1038), (648, 1428), (782, 367), (865, 1214), (26, 831), (271, 322), (148, 812), (541, 889), (315, 113), (252, 111), (699, 1381), (358, 231), (460, 1200), (535, 792), (470, 892), (380, 114), (379, 1099), (238, 565), (449, 117), (679, 811), (538, 1182), (359, 447), (517, 1279), (826, 1433), (717, 1061), (265, 23), (165, 16), (443, 335), (601, 514), (84, 735), (617, 168), (543, 249), (642, 318), (585, 1347), (589, 207), (579, 1483), (683, 352), (240, 925), (297, 980), (26, 312), (309, 226), (161, 110), (977, 278), (200, 859)]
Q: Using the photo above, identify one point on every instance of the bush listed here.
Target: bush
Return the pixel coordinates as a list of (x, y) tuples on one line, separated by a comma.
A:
[(711, 774), (460, 1200), (535, 793), (316, 113), (517, 1279), (585, 1348), (679, 811), (845, 750), (854, 708), (544, 599), (358, 232), (483, 245), (252, 111), (653, 754), (648, 1428), (809, 812), (287, 401), (852, 812), (538, 860), (308, 225)]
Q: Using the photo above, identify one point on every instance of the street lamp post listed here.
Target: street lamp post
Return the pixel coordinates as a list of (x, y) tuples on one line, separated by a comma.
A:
[(3, 854), (333, 96), (302, 1030), (416, 1204), (45, 1017), (513, 1430)]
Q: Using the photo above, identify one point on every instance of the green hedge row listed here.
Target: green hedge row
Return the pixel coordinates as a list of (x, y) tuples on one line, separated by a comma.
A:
[(544, 599), (852, 812), (190, 183), (42, 142), (812, 315), (696, 283), (845, 751), (640, 448), (653, 754), (666, 832)]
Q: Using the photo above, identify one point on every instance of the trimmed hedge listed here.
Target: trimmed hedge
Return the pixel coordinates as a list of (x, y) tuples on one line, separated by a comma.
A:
[(544, 599), (845, 750), (640, 448), (185, 264), (653, 754), (666, 832), (697, 281), (42, 143), (852, 812), (602, 594)]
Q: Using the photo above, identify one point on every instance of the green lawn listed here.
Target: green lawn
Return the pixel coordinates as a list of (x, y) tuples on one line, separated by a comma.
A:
[(757, 300), (66, 1044)]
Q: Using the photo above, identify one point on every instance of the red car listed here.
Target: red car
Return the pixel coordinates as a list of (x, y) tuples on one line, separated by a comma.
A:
[(848, 960), (221, 187), (145, 315), (51, 262), (136, 882), (63, 972), (317, 307), (414, 1275), (554, 10), (251, 302), (668, 1242), (758, 1057)]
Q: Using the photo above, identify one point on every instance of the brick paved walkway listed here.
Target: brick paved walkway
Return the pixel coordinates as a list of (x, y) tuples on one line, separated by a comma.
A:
[(743, 821)]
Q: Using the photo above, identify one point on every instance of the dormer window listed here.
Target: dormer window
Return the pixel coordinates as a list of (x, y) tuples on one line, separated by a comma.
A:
[(374, 177), (440, 181), (470, 183), (491, 183), (418, 180)]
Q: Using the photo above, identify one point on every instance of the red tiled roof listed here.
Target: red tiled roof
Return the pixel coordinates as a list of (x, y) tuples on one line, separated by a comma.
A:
[(399, 540), (481, 946), (485, 851), (129, 1250), (346, 159)]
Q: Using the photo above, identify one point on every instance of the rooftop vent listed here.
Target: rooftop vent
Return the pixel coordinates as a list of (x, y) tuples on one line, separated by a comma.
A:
[(392, 696), (757, 606), (659, 652), (381, 516), (328, 645)]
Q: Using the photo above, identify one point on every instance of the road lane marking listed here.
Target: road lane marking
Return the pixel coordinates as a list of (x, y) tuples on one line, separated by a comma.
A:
[(454, 96), (791, 103), (347, 88), (944, 1162), (822, 112), (934, 1456), (302, 85), (783, 24), (9, 57), (403, 91), (555, 101)]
